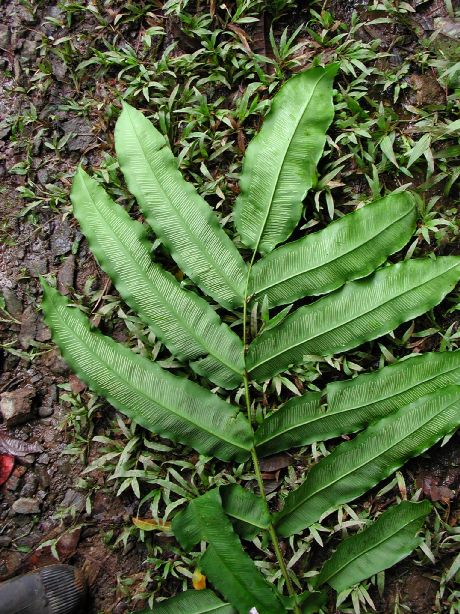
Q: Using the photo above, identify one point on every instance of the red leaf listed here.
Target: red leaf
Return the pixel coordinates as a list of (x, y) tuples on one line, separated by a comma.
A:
[(6, 467)]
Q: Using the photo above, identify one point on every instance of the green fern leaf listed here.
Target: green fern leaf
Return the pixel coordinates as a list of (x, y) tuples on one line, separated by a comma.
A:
[(184, 322), (246, 510), (184, 222), (292, 425), (166, 404), (192, 602), (347, 249), (356, 466), (368, 397), (225, 562), (356, 403), (360, 311), (280, 163), (386, 542)]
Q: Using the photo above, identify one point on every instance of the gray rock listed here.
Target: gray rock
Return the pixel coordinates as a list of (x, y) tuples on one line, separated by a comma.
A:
[(43, 477), (45, 411), (5, 541), (447, 26), (74, 500), (43, 332), (4, 37), (12, 482), (26, 505), (55, 12), (16, 406), (29, 50), (42, 176), (29, 322), (66, 275), (43, 459), (82, 131), (36, 265), (47, 408), (59, 68), (26, 15), (61, 239), (30, 485), (13, 304)]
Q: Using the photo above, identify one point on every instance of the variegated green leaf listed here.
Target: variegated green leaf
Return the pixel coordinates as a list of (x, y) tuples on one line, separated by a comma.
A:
[(368, 397), (356, 403)]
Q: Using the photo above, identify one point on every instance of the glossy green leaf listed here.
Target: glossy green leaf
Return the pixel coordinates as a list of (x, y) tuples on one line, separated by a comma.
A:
[(171, 406), (352, 247), (179, 216), (360, 311), (280, 162), (368, 397), (246, 510), (192, 602), (225, 563), (292, 425), (356, 466), (356, 403), (383, 544), (184, 322)]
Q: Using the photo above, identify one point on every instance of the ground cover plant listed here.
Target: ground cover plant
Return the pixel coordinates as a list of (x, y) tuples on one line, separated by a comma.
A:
[(399, 411)]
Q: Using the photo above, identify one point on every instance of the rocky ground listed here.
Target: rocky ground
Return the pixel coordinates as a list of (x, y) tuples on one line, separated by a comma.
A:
[(49, 120), (42, 511)]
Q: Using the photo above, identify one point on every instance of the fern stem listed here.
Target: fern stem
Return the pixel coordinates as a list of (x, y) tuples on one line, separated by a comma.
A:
[(255, 460)]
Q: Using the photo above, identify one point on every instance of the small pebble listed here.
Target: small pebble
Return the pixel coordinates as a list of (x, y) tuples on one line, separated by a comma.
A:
[(45, 412), (5, 541), (43, 459), (26, 505)]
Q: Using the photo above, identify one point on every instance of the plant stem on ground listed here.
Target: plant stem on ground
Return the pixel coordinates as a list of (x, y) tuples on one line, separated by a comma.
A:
[(255, 460)]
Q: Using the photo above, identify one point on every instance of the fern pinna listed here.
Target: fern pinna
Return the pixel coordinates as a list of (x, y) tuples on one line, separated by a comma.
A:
[(399, 411)]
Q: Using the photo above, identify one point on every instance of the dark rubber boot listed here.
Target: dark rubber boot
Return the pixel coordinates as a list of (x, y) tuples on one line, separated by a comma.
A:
[(56, 589)]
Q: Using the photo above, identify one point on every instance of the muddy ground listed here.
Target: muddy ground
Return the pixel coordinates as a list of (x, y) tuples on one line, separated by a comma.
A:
[(41, 501)]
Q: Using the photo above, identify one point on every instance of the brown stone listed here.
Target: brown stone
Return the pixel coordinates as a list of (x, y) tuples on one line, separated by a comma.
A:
[(16, 406)]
